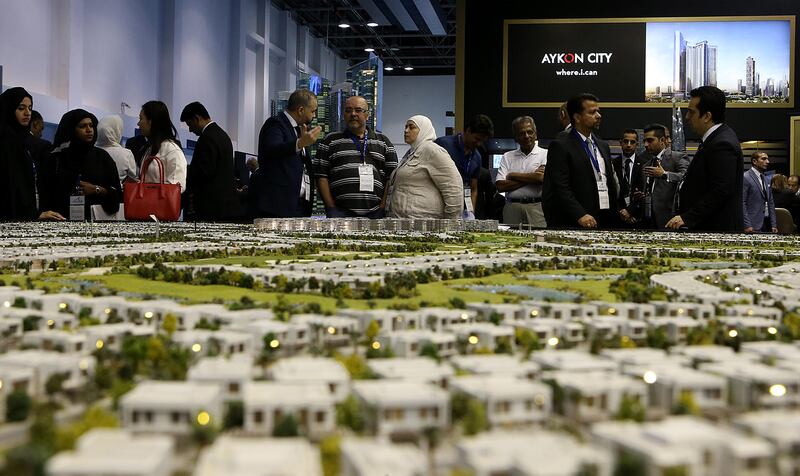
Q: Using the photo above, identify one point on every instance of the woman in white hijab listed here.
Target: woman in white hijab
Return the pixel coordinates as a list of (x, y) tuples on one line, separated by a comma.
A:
[(426, 184), (109, 134)]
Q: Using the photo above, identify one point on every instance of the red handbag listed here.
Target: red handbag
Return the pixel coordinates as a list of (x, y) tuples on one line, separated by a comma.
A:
[(160, 199)]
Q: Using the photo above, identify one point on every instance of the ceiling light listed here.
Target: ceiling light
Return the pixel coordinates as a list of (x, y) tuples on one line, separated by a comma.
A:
[(372, 24), (389, 68), (344, 25), (408, 68), (369, 50)]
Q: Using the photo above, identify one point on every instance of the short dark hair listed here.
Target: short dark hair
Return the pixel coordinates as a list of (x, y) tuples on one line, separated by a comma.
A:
[(300, 98), (630, 131), (575, 104), (194, 109), (481, 124), (35, 116), (711, 99), (660, 130), (756, 154), (522, 120)]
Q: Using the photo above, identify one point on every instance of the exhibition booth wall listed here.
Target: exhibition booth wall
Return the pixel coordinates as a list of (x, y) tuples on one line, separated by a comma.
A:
[(481, 75)]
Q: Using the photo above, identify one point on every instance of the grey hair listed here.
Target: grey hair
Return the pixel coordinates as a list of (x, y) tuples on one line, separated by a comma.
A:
[(522, 120)]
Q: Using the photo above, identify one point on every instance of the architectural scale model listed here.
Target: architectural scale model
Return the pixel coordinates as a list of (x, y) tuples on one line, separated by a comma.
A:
[(399, 347)]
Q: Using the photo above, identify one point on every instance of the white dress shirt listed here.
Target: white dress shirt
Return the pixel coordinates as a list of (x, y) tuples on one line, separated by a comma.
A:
[(516, 161)]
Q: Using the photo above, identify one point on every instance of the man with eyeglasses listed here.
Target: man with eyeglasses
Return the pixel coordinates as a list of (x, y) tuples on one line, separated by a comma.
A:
[(353, 166)]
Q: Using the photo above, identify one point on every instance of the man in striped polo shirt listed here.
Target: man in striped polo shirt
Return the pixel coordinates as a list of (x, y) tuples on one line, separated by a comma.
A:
[(353, 166)]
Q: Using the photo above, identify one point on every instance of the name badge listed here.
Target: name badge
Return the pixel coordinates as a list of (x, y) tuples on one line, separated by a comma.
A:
[(766, 209), (77, 211), (307, 186), (602, 194), (468, 199), (366, 179)]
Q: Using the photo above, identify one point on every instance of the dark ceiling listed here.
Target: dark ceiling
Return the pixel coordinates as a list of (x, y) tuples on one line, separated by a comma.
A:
[(409, 33)]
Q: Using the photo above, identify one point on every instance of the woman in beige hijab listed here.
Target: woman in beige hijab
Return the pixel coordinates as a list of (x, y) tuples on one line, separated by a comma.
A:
[(426, 184)]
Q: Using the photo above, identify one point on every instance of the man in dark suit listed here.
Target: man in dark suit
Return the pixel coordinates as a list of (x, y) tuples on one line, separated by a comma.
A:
[(580, 189), (627, 167), (757, 199), (38, 148), (654, 185), (209, 192), (284, 187), (710, 196)]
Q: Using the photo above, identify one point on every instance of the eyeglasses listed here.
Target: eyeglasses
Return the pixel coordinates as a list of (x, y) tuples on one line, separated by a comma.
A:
[(357, 110)]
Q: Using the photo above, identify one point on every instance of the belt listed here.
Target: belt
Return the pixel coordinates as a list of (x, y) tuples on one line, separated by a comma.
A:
[(524, 200)]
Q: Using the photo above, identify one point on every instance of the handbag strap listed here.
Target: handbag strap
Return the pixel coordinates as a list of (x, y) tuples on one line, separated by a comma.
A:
[(146, 166)]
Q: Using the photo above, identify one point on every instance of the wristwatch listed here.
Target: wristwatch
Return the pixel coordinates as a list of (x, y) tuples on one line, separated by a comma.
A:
[(97, 189)]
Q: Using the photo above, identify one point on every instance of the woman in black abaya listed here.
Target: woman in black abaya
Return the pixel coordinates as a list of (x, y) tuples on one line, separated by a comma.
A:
[(18, 173), (76, 166)]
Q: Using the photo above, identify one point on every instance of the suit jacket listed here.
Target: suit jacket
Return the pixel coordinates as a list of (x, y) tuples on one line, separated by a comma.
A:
[(753, 202), (39, 149), (570, 186), (663, 188), (209, 180), (281, 171), (710, 195), (626, 186)]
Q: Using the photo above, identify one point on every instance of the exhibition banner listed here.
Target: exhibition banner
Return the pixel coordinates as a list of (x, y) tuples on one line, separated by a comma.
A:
[(647, 62)]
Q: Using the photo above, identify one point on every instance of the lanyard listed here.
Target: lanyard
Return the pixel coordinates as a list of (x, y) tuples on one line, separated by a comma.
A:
[(361, 150), (463, 164), (589, 152)]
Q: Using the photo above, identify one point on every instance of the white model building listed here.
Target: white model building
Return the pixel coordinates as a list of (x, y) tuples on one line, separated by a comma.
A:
[(439, 318), (75, 368), (230, 373), (688, 443), (110, 336), (528, 453), (755, 385), (14, 379), (243, 456), (404, 407), (669, 383), (62, 341), (409, 343), (484, 335), (115, 452), (332, 331), (782, 429), (600, 393), (508, 312), (368, 457), (496, 364), (267, 403), (416, 369), (572, 360), (388, 320), (314, 370), (290, 337), (171, 407), (508, 401)]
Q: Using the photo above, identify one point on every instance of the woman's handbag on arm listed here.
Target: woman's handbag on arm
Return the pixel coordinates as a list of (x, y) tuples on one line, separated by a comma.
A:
[(163, 200)]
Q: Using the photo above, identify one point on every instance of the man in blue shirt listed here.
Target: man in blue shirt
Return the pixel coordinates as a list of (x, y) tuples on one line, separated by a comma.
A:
[(463, 149)]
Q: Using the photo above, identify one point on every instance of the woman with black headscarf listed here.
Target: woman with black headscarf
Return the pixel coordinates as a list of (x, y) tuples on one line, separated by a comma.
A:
[(18, 173), (76, 167)]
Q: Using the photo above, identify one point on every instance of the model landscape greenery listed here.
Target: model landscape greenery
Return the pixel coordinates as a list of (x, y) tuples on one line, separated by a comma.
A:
[(668, 330)]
